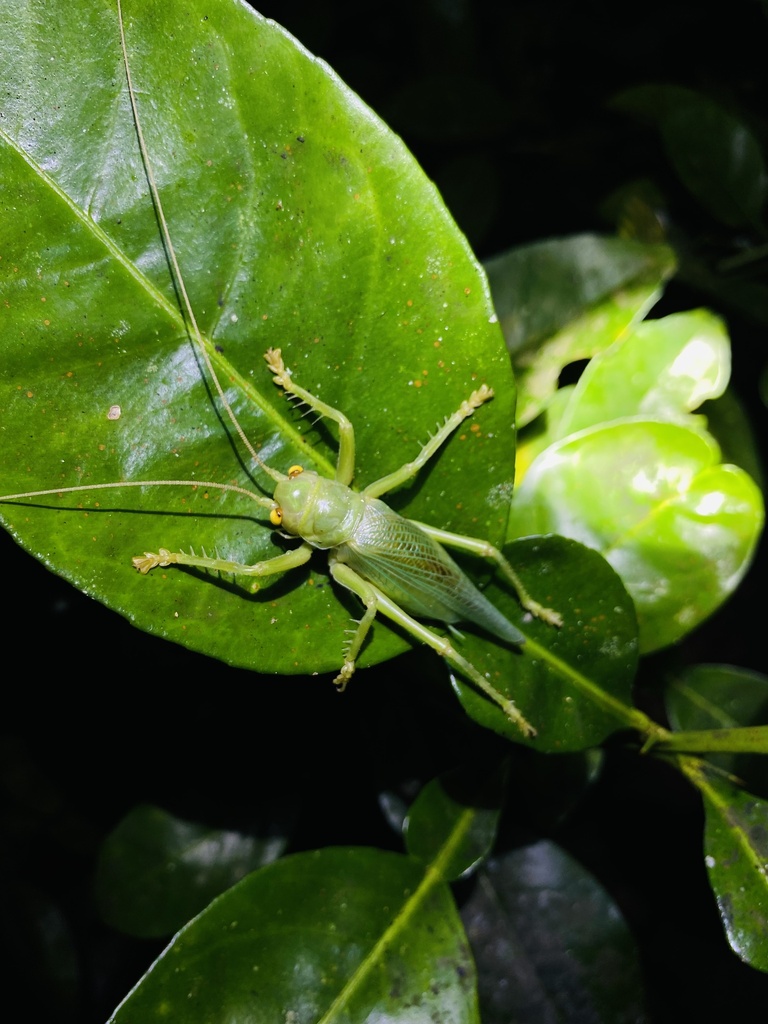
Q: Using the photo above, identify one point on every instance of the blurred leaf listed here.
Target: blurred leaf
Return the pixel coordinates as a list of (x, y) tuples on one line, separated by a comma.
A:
[(638, 209), (717, 697), (549, 943), (300, 221), (566, 299), (540, 288), (736, 855), (454, 818), (155, 871), (728, 291), (715, 154), (730, 426), (574, 684), (679, 528), (41, 968), (342, 935)]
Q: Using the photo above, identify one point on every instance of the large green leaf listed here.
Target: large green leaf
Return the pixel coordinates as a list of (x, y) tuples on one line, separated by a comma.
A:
[(301, 222), (339, 935)]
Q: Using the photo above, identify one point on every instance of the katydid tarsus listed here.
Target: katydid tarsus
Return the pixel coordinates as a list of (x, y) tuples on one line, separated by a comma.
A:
[(395, 566)]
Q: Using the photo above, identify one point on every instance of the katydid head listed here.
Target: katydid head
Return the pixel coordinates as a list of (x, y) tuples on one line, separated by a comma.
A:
[(322, 512)]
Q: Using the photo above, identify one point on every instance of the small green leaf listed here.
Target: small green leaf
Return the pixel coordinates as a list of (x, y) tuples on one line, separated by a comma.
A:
[(452, 822), (679, 528), (547, 936), (736, 856), (339, 935), (573, 684), (155, 871), (566, 299)]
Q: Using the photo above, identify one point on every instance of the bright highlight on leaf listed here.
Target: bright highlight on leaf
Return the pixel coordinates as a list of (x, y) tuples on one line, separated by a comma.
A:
[(625, 464)]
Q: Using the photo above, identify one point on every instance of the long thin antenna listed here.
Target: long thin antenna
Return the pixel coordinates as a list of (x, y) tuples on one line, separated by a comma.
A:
[(210, 484), (178, 278)]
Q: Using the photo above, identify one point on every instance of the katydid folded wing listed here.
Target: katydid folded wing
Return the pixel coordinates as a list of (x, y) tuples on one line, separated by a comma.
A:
[(396, 556)]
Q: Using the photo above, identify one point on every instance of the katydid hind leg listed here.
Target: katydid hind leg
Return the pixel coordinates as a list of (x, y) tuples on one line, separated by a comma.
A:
[(369, 596), (376, 601), (483, 549)]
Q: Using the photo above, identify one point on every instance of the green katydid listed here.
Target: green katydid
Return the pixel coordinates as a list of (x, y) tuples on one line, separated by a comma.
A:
[(392, 564), (402, 571)]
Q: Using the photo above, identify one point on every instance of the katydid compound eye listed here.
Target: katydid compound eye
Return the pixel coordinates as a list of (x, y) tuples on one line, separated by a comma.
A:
[(294, 471), (276, 516)]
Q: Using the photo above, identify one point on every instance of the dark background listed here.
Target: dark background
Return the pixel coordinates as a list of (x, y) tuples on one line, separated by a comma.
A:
[(505, 106)]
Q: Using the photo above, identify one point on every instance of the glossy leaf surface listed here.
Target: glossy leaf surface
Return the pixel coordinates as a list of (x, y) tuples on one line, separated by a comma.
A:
[(340, 935), (301, 222), (736, 856), (663, 370), (549, 942), (573, 684), (659, 515), (156, 871)]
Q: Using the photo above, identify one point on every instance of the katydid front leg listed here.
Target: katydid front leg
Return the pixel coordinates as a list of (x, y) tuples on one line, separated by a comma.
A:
[(345, 463), (269, 567)]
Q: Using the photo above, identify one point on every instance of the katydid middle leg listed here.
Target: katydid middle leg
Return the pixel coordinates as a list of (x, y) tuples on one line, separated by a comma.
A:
[(269, 567)]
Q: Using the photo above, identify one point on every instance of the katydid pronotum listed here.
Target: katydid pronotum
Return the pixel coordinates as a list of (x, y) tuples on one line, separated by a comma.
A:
[(400, 570)]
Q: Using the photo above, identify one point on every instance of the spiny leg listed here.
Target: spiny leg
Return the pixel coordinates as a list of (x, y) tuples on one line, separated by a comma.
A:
[(269, 567), (485, 550), (374, 600), (410, 469), (345, 464)]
